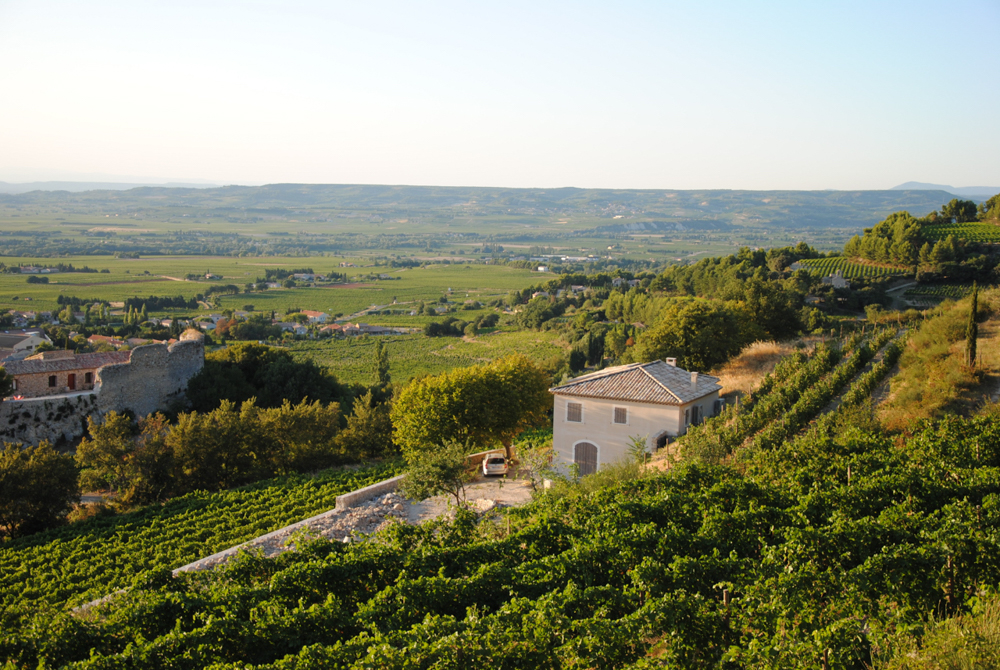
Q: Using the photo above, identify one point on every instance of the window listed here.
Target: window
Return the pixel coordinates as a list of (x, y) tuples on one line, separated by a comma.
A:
[(687, 417), (574, 412), (621, 415), (52, 381), (696, 414), (88, 377)]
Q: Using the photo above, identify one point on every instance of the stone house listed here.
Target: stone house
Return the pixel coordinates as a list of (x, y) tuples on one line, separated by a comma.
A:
[(23, 340), (597, 415), (56, 372), (314, 316), (836, 280)]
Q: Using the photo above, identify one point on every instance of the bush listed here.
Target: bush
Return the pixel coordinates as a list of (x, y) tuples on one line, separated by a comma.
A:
[(38, 487)]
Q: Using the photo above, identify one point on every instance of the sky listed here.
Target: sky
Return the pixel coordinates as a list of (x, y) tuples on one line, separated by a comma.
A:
[(623, 94)]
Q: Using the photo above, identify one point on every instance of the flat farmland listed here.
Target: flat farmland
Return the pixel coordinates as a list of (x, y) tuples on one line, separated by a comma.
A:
[(158, 276), (412, 355)]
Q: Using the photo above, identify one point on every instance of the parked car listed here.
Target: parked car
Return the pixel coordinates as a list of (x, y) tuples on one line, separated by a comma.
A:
[(494, 464)]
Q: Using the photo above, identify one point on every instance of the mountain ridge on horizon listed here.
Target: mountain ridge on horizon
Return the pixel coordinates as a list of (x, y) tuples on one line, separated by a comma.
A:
[(966, 191)]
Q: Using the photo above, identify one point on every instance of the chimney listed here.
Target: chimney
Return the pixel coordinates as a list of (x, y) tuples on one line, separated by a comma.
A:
[(670, 361), (694, 380)]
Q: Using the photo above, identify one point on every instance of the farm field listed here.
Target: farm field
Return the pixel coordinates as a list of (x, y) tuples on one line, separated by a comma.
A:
[(412, 355), (849, 269), (974, 231), (87, 560), (941, 291), (127, 278)]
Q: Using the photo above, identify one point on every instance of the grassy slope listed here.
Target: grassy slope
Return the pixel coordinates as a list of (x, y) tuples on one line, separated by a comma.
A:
[(933, 380)]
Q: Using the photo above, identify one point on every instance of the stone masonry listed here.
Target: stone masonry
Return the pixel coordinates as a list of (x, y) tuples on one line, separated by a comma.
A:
[(153, 377)]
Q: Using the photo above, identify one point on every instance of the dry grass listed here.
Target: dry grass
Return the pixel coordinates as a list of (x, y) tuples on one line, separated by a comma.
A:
[(933, 379), (743, 374)]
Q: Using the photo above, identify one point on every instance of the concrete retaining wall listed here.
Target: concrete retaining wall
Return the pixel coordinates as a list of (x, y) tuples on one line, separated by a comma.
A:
[(367, 493)]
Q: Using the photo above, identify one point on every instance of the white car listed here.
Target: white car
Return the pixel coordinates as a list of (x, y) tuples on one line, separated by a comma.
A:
[(494, 464)]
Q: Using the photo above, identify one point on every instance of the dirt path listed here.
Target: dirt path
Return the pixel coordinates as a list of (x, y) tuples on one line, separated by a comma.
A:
[(501, 491)]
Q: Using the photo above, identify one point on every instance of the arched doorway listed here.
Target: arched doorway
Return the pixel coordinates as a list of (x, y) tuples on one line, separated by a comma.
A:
[(585, 457), (662, 440)]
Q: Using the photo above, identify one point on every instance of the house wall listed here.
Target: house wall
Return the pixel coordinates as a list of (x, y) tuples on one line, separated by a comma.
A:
[(156, 376), (38, 384), (645, 420)]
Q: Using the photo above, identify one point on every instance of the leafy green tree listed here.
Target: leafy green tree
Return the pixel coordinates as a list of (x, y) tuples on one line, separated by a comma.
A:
[(219, 449), (700, 335), (479, 405), (38, 487), (369, 430), (439, 468), (299, 437), (6, 384), (131, 460), (960, 211), (990, 209), (246, 370)]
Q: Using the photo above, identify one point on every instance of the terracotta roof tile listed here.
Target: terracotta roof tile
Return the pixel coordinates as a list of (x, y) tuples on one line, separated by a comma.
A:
[(656, 382), (79, 362)]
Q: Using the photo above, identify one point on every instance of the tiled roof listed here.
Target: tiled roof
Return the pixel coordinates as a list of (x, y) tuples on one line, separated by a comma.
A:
[(656, 382), (80, 362)]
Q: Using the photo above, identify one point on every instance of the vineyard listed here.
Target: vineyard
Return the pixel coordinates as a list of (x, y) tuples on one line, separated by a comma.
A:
[(849, 269), (87, 560), (940, 291), (973, 231), (829, 550), (788, 398), (411, 355)]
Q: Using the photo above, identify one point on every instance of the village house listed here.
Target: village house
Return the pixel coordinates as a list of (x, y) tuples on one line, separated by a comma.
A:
[(596, 416), (98, 340), (315, 317), (836, 280), (292, 327), (19, 341), (55, 372)]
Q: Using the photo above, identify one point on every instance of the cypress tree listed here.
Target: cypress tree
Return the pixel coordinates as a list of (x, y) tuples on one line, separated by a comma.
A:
[(972, 330)]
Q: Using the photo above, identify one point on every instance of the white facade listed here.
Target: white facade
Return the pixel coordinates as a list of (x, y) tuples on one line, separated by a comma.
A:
[(597, 425), (597, 416)]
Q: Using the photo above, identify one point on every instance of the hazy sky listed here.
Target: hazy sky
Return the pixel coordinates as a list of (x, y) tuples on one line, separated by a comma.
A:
[(755, 95)]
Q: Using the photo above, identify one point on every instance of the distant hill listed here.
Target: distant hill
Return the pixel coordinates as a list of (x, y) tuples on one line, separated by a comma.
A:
[(980, 192), (654, 209), (80, 186)]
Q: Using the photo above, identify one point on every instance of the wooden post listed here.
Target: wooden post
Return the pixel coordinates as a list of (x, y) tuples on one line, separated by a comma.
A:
[(848, 475), (826, 659)]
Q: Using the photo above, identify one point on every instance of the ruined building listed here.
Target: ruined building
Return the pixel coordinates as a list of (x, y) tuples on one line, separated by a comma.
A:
[(55, 392)]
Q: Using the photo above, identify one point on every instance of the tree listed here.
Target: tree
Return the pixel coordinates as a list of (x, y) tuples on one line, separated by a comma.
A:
[(131, 460), (533, 460), (299, 437), (990, 209), (38, 487), (972, 329), (246, 370), (438, 469), (6, 384), (380, 365), (959, 211), (369, 430), (219, 449), (700, 335), (479, 405)]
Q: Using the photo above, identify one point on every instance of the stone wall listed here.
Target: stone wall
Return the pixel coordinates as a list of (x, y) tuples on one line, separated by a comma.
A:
[(155, 377), (55, 419), (367, 493)]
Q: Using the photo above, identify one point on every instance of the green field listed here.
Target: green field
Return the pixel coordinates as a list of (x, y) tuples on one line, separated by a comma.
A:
[(974, 231), (850, 269), (128, 278), (93, 558), (411, 355), (940, 291)]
